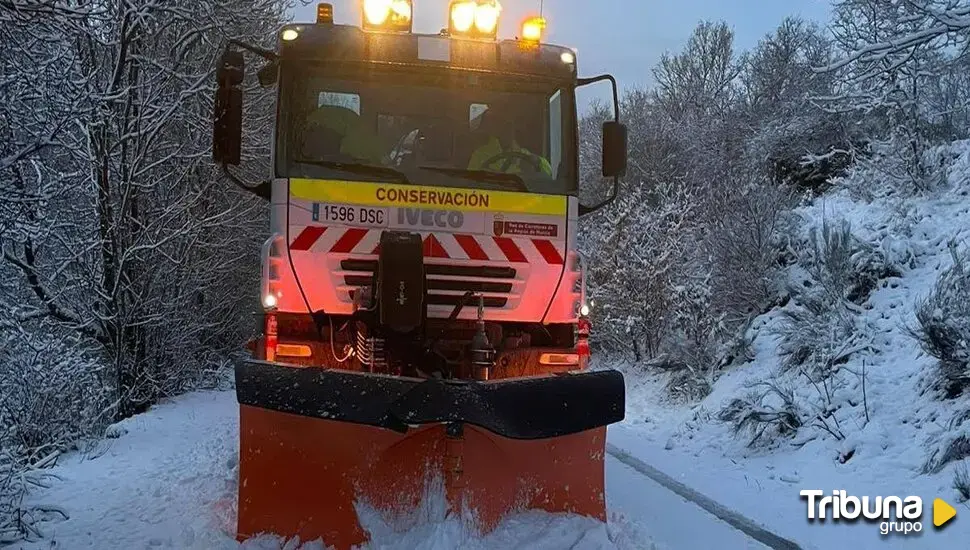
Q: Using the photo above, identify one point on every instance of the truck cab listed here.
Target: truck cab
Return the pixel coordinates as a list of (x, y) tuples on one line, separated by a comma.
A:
[(463, 140)]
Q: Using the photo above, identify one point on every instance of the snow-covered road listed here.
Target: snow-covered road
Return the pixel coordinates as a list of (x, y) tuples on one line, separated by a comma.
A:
[(167, 481), (672, 521)]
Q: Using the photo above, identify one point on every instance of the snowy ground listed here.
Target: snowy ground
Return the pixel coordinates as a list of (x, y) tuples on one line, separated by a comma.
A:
[(167, 482)]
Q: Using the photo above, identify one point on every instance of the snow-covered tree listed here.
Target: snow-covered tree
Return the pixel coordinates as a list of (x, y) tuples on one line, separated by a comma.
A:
[(700, 79), (689, 252), (893, 74), (792, 141), (122, 253)]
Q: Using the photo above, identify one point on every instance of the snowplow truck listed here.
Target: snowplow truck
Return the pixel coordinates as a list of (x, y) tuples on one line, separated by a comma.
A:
[(423, 324)]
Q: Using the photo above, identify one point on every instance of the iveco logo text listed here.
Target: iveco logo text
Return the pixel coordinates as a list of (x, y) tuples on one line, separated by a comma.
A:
[(430, 218), (894, 514)]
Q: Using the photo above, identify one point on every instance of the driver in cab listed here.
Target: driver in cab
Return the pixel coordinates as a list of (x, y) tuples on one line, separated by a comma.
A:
[(334, 131), (500, 151)]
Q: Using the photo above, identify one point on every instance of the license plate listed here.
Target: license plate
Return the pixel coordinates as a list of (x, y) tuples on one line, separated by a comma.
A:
[(350, 214)]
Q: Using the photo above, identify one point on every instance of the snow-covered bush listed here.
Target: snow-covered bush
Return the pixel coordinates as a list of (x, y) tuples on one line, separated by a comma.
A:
[(52, 397), (961, 481), (10, 493), (814, 337), (944, 325), (943, 331), (695, 340), (635, 257), (690, 384), (17, 520), (744, 243), (956, 447), (696, 326), (766, 412), (819, 330)]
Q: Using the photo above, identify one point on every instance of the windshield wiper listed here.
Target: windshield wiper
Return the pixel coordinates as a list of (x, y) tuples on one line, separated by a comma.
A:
[(482, 175), (359, 168)]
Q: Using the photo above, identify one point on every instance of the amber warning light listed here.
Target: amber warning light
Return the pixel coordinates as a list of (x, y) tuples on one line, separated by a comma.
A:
[(533, 28)]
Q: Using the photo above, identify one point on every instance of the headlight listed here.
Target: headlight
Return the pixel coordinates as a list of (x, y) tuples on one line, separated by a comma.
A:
[(269, 301), (584, 310), (474, 17), (387, 14)]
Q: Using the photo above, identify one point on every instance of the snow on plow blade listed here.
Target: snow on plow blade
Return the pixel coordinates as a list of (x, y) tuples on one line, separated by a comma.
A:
[(313, 442)]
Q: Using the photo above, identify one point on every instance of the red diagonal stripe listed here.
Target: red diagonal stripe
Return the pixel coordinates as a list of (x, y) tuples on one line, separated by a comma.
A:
[(510, 249), (548, 251), (377, 249), (348, 240), (433, 249), (307, 237), (471, 247)]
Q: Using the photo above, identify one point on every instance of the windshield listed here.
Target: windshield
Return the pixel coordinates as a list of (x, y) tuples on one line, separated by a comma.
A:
[(436, 128)]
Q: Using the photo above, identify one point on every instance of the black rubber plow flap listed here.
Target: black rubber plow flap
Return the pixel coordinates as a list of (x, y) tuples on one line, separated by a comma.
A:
[(523, 408)]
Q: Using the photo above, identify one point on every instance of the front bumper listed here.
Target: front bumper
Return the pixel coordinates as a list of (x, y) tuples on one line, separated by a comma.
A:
[(517, 408)]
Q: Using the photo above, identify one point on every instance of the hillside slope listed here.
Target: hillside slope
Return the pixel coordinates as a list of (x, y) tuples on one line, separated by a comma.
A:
[(875, 424)]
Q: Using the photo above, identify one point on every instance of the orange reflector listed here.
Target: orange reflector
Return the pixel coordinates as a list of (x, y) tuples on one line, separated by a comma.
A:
[(270, 337), (293, 350), (559, 359)]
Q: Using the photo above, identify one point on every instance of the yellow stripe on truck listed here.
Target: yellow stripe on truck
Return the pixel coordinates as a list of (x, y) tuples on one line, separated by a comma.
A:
[(420, 196)]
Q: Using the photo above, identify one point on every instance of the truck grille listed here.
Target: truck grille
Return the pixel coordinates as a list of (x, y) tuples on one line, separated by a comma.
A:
[(446, 283)]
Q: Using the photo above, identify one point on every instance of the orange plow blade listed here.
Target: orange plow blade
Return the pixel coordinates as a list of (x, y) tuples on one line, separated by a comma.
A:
[(316, 442)]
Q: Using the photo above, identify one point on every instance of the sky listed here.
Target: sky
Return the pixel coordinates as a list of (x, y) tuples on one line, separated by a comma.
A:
[(623, 37)]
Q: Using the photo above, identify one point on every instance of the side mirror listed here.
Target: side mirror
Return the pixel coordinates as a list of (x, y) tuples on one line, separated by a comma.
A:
[(614, 149), (614, 145), (227, 116)]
